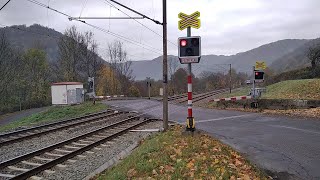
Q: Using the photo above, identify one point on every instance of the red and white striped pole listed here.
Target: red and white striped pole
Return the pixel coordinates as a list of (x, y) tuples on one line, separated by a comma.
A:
[(190, 119), (189, 94)]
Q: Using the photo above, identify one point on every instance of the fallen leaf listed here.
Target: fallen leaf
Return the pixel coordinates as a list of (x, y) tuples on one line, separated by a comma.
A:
[(131, 173), (154, 172)]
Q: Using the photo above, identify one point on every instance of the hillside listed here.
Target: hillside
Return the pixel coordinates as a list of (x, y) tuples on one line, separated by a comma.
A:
[(281, 55), (241, 61), (295, 59), (290, 89), (23, 37), (268, 53), (294, 89)]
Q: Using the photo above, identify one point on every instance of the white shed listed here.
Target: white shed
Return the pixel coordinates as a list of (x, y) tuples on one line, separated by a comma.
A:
[(63, 93)]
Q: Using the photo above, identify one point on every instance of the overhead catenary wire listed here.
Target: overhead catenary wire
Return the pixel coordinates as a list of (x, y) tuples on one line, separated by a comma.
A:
[(150, 48), (5, 5), (108, 1)]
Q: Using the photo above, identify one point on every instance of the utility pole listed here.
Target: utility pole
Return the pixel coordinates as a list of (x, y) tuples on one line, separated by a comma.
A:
[(165, 66), (149, 86), (253, 84), (230, 82)]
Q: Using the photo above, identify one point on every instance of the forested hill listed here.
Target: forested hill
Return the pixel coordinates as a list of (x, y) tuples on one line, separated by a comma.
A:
[(23, 37)]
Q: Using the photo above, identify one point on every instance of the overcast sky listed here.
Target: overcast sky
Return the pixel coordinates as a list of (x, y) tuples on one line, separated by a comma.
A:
[(227, 26)]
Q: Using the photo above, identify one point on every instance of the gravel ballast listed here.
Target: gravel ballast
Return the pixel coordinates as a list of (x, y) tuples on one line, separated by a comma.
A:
[(29, 145), (83, 166)]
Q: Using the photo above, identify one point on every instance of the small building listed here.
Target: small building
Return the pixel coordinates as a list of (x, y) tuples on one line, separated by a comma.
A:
[(64, 93)]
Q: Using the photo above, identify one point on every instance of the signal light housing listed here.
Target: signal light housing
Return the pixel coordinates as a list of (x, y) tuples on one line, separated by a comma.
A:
[(258, 75), (189, 47)]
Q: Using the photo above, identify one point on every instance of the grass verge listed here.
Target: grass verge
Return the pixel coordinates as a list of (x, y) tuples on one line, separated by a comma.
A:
[(290, 89), (56, 113), (172, 155)]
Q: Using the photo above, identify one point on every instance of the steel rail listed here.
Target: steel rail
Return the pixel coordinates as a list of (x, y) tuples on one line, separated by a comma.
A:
[(48, 128), (57, 145), (205, 95), (64, 158)]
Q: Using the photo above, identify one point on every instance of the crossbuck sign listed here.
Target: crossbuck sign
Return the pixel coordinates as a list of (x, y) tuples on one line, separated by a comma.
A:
[(189, 20)]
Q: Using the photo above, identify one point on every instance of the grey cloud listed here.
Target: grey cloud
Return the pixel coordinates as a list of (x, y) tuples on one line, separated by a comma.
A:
[(228, 31)]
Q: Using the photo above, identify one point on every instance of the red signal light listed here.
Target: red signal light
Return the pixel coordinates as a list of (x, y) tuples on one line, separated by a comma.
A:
[(183, 42), (257, 73)]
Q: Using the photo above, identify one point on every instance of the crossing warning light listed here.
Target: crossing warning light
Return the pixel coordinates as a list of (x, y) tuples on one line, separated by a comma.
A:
[(258, 75), (189, 47)]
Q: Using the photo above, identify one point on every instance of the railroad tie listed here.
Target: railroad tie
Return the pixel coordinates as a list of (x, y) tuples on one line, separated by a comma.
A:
[(104, 145), (71, 147), (64, 151), (18, 169), (78, 144), (100, 136), (7, 175), (49, 171), (85, 141), (31, 163), (42, 159), (51, 154), (90, 152), (71, 160), (81, 156), (35, 178)]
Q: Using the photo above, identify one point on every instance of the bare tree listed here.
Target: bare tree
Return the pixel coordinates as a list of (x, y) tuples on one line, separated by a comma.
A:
[(173, 65), (78, 55), (121, 65)]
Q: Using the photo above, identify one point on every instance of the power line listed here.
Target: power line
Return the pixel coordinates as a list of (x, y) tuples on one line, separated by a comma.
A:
[(150, 48), (139, 22), (5, 5), (155, 21), (83, 6)]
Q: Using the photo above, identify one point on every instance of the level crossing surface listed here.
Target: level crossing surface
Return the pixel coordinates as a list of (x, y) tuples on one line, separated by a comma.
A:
[(287, 146)]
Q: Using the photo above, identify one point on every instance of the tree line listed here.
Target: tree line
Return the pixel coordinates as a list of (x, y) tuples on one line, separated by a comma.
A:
[(26, 74)]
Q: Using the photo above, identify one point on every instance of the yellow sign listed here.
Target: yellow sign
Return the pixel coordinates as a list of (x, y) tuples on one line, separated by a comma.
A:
[(189, 20), (260, 65)]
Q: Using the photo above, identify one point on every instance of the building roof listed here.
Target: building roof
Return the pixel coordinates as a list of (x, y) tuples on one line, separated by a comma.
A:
[(66, 83)]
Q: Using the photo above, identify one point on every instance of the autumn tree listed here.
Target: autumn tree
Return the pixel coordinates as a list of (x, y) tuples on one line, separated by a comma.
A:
[(105, 84)]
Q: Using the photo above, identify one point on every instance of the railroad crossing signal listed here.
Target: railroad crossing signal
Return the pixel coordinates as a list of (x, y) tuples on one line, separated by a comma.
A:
[(189, 50), (258, 75), (189, 20), (260, 65)]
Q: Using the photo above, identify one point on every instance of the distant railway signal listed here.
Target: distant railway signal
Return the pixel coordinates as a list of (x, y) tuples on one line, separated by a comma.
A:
[(259, 75)]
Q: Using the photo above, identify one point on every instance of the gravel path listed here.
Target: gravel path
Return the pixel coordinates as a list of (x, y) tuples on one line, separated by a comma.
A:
[(29, 145), (83, 166)]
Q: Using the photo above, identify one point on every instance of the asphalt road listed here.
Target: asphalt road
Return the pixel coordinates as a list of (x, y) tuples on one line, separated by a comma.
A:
[(288, 147)]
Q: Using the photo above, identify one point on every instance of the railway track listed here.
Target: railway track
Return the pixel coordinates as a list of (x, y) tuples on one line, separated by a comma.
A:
[(33, 163), (16, 136), (202, 96)]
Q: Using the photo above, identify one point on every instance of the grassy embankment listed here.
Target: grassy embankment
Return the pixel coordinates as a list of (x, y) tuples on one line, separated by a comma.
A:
[(305, 89), (291, 89), (55, 113), (172, 155)]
